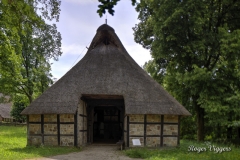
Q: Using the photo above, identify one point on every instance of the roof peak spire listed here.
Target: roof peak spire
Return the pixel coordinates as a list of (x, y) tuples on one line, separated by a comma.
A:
[(105, 27), (106, 19)]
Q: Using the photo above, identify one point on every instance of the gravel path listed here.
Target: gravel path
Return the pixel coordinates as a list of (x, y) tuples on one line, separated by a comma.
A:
[(93, 152)]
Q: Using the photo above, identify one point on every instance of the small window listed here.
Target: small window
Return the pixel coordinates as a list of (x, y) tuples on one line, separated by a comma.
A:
[(106, 41)]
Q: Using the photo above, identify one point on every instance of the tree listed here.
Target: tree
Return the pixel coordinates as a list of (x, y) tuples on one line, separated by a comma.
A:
[(28, 47), (20, 102), (108, 5), (39, 45), (195, 50), (13, 15)]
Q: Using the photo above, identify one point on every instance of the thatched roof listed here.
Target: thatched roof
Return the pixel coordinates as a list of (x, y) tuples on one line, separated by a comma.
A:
[(107, 69), (5, 108)]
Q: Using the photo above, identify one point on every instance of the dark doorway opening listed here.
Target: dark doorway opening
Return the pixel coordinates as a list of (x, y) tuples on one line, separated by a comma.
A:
[(105, 114), (107, 126)]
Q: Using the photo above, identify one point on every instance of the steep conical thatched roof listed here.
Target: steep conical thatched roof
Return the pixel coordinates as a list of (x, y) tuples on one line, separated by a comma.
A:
[(107, 69)]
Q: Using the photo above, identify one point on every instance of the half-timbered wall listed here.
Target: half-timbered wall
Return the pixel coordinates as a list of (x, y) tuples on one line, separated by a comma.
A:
[(152, 130), (82, 124), (52, 129), (171, 130), (63, 130), (5, 119)]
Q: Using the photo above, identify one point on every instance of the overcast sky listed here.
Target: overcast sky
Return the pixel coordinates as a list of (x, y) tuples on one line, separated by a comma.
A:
[(78, 24)]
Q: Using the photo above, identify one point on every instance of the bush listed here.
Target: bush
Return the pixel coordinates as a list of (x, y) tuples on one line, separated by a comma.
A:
[(19, 104)]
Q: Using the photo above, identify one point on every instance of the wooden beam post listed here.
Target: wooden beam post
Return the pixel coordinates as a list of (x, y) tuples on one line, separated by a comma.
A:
[(178, 139), (75, 129), (27, 130), (58, 129), (145, 128), (127, 131), (162, 123), (42, 127)]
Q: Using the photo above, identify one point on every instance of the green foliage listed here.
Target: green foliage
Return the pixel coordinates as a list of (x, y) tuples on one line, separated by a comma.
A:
[(13, 145), (19, 104), (108, 5), (152, 68), (27, 44), (182, 152), (195, 49)]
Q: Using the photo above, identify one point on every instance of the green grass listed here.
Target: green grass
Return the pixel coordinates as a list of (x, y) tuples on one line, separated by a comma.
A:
[(182, 153), (13, 140)]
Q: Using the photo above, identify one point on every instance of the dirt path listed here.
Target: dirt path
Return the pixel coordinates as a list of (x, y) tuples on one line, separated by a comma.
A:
[(94, 152)]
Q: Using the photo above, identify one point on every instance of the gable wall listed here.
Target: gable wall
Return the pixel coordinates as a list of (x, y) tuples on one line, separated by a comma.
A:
[(152, 130), (51, 130)]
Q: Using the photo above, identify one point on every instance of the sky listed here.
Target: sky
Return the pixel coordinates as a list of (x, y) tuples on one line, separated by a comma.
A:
[(78, 23)]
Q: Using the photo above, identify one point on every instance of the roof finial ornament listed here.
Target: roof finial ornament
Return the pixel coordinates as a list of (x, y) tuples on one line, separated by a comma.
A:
[(106, 19)]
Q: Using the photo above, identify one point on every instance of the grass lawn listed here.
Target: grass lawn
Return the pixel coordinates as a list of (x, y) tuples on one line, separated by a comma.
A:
[(182, 153), (13, 140)]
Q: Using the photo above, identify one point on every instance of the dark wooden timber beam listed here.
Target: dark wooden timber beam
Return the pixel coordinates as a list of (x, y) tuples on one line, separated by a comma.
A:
[(28, 133), (42, 127), (127, 131), (178, 140), (162, 123), (58, 128), (75, 128), (105, 102), (145, 129), (100, 96)]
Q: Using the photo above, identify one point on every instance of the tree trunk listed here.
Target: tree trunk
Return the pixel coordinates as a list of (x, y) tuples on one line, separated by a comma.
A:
[(229, 133), (30, 98), (238, 135), (200, 120), (200, 123), (218, 131), (229, 129)]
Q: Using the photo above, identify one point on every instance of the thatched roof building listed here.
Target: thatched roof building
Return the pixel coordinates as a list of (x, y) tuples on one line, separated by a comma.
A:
[(107, 69), (5, 109), (105, 74)]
